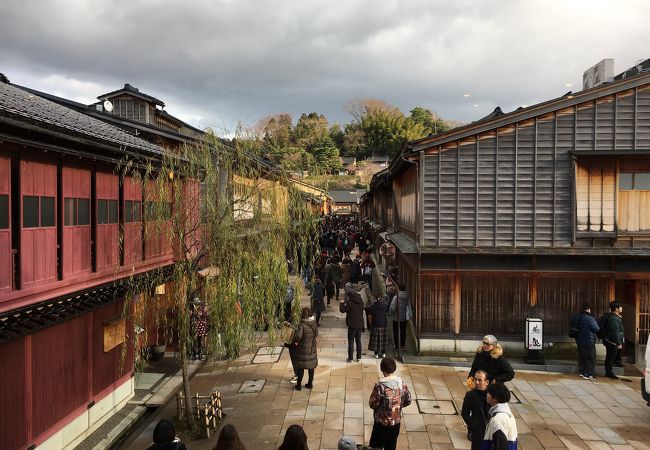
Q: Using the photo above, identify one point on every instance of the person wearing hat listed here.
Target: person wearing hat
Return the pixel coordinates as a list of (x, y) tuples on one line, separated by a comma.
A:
[(489, 358), (347, 443)]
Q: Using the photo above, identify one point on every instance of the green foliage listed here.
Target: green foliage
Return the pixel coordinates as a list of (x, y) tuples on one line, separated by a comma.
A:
[(431, 121), (326, 154), (309, 129), (354, 141), (388, 131), (377, 128), (277, 130), (235, 215), (337, 135)]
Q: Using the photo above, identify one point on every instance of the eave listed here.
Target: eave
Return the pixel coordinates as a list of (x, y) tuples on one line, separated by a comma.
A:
[(531, 112)]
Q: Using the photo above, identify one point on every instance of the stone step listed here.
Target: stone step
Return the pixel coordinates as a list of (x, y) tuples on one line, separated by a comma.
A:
[(561, 366)]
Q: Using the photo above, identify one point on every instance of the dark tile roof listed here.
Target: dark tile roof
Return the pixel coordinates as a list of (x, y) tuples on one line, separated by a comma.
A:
[(345, 160), (25, 105), (351, 196), (128, 89)]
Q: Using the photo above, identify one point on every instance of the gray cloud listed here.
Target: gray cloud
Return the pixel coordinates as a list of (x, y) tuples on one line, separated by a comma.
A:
[(218, 62)]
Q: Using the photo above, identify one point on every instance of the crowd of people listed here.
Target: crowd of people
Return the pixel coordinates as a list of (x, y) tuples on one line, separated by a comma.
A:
[(333, 272), (334, 276), (485, 410)]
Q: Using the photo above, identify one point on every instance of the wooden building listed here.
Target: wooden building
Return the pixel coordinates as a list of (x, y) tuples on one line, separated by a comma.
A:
[(64, 210), (525, 214), (345, 202)]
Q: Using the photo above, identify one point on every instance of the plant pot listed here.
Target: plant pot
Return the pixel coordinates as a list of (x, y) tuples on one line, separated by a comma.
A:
[(157, 352)]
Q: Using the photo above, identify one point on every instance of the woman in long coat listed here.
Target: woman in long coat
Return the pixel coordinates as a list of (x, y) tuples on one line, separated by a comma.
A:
[(307, 357)]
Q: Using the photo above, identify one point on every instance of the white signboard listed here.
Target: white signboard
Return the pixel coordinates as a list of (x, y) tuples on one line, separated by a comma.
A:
[(534, 334)]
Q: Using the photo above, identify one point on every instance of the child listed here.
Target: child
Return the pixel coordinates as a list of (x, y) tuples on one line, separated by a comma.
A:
[(501, 431), (388, 398)]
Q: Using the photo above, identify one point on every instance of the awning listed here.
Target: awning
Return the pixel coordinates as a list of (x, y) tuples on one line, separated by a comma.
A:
[(404, 244), (30, 319)]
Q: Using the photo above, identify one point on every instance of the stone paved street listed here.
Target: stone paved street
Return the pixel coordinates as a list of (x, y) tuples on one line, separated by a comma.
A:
[(554, 410)]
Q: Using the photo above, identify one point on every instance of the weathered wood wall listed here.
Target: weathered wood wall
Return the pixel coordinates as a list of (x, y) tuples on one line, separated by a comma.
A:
[(405, 188), (513, 186), (474, 305)]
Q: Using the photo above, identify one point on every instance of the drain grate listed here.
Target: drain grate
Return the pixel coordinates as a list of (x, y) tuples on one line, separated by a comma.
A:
[(267, 355), (252, 386), (441, 407)]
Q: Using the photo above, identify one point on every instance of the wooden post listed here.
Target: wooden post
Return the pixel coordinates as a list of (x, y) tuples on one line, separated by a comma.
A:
[(179, 405), (206, 420), (198, 406), (533, 291), (457, 303)]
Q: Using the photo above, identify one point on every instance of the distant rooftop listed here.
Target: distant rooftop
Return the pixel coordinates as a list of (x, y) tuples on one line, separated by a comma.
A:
[(349, 196), (132, 90)]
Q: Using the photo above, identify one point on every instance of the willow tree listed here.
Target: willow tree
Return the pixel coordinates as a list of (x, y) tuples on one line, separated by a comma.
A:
[(231, 221)]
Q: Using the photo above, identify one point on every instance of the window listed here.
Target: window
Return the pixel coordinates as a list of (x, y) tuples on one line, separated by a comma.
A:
[(107, 212), (76, 211), (70, 211), (157, 211), (83, 211), (633, 205), (32, 205), (4, 212), (132, 212), (112, 211), (634, 181), (102, 212), (626, 181), (47, 211), (30, 212), (137, 211), (149, 211)]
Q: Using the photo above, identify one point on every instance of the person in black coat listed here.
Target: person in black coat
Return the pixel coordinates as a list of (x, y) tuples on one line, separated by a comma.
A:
[(307, 346), (586, 327), (613, 337), (164, 437), (475, 409), (489, 357), (352, 305), (378, 320), (355, 272)]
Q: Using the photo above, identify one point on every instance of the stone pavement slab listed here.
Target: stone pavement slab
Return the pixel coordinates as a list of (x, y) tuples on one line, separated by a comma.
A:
[(556, 411)]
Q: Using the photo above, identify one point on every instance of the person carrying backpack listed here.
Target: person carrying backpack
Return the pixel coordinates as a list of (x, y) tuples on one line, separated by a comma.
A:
[(388, 398)]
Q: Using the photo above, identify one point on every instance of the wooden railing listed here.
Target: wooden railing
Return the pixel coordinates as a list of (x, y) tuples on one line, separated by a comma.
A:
[(208, 415)]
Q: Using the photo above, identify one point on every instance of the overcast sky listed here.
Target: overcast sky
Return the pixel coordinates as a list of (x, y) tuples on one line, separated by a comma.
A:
[(216, 63)]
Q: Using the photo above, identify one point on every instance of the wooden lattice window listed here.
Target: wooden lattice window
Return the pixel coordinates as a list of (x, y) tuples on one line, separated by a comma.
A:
[(595, 195), (634, 196)]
